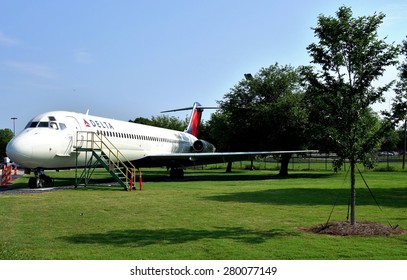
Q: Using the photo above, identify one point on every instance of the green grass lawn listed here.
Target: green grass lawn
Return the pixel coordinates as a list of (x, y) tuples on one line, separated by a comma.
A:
[(209, 215)]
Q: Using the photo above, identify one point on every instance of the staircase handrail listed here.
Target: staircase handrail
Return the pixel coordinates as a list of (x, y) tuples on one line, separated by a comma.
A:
[(102, 143)]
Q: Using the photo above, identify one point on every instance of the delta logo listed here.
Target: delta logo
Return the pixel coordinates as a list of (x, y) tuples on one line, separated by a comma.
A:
[(86, 123), (98, 124)]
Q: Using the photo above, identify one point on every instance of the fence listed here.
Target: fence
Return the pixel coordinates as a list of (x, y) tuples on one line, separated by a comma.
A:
[(316, 162)]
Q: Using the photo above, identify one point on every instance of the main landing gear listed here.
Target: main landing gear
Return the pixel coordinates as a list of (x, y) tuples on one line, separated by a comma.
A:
[(176, 173), (40, 180)]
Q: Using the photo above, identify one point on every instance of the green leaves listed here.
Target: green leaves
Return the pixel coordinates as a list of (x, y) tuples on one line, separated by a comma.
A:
[(164, 122), (265, 112), (349, 50), (351, 57), (5, 136)]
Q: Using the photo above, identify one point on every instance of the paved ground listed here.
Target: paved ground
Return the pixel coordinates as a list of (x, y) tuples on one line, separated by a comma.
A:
[(10, 190)]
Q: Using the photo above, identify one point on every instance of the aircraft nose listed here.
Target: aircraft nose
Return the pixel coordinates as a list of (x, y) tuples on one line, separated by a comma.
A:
[(19, 149)]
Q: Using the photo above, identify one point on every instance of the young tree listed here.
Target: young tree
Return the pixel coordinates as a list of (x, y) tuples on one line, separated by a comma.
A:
[(351, 57)]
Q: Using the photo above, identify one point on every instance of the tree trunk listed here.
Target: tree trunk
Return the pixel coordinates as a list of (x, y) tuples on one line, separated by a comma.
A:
[(229, 167), (352, 193), (285, 159)]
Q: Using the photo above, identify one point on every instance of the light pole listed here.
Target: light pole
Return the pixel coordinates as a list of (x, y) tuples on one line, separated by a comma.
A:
[(14, 125), (249, 77)]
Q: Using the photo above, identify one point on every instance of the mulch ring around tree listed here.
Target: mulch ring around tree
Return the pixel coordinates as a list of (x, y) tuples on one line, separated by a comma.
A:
[(360, 228)]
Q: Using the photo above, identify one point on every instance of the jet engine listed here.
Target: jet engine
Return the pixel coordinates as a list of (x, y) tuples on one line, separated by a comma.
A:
[(202, 146)]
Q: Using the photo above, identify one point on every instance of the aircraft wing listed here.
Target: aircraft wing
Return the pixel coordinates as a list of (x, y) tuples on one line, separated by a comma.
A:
[(190, 159)]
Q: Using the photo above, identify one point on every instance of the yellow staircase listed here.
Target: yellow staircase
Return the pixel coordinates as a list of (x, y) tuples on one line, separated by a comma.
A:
[(100, 151)]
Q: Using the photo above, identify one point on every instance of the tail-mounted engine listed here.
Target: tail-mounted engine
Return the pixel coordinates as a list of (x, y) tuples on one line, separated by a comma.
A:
[(202, 146)]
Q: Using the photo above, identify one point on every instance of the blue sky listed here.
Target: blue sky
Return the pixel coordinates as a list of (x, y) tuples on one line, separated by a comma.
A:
[(127, 59)]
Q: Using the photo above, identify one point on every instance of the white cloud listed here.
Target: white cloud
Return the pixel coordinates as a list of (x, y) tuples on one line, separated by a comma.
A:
[(7, 41), (32, 69)]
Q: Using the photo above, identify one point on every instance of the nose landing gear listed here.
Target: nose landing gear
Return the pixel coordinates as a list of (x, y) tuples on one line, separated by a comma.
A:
[(40, 180)]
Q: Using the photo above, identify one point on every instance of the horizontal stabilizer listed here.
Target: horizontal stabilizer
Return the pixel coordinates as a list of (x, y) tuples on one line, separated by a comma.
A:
[(190, 108)]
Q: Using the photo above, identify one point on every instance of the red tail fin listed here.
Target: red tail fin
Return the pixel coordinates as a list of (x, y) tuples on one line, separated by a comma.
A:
[(195, 120)]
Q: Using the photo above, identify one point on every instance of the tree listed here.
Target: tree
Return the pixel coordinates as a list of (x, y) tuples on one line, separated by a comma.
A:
[(163, 121), (351, 57), (142, 120), (391, 141), (5, 137), (263, 112), (399, 106), (220, 132)]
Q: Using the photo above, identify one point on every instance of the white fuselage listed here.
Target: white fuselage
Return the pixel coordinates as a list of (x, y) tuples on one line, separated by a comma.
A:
[(49, 140)]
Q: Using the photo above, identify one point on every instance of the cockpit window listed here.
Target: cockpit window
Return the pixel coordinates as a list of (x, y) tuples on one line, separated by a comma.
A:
[(62, 126), (31, 124), (43, 124), (53, 124)]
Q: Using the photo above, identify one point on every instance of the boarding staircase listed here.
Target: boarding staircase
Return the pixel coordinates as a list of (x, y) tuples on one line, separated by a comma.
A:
[(98, 151)]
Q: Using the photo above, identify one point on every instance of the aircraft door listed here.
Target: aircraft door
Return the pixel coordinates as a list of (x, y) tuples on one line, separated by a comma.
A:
[(74, 135)]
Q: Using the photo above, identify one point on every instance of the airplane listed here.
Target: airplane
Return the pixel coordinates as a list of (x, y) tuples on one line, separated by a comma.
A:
[(53, 141)]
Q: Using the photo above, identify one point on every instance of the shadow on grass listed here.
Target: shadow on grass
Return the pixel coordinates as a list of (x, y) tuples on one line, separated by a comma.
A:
[(145, 237), (201, 176), (240, 175), (61, 179), (391, 197)]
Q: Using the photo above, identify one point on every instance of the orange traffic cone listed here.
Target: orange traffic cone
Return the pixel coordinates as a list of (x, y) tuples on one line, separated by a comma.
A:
[(9, 179), (3, 181), (4, 176), (131, 181)]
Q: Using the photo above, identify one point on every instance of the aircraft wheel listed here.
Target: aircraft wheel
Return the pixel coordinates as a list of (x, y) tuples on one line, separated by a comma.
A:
[(32, 183), (181, 174), (176, 173), (173, 173), (35, 183)]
